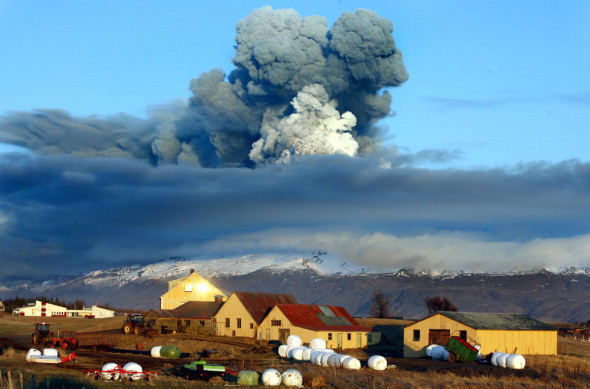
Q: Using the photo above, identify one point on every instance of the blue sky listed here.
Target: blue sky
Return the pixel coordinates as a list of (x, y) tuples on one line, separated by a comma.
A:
[(487, 151)]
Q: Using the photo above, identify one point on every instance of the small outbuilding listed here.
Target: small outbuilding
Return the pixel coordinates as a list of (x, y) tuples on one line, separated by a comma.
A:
[(333, 324), (196, 317), (243, 312), (505, 332), (1, 307)]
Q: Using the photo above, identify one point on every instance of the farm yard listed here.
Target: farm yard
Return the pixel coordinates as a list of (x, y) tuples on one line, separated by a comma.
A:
[(571, 370)]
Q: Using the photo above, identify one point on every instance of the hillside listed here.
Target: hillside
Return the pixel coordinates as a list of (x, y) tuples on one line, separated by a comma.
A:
[(549, 296)]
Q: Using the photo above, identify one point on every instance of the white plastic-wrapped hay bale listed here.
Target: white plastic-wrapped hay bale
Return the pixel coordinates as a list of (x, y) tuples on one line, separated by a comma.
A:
[(332, 359), (478, 356), (324, 360), (306, 354), (339, 359), (296, 353), (314, 355), (50, 352), (377, 362), (283, 351), (134, 367), (351, 363), (429, 349), (438, 353), (32, 352), (494, 360), (107, 373), (271, 377), (294, 340), (155, 351), (292, 378), (502, 360), (288, 351), (515, 361), (318, 343)]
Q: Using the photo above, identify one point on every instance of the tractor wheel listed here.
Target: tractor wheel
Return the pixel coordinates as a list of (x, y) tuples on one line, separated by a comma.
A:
[(127, 328), (64, 345), (452, 357), (34, 339), (137, 330)]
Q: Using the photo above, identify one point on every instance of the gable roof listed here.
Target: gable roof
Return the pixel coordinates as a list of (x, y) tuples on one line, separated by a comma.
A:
[(162, 313), (320, 317), (258, 304), (497, 321), (197, 310)]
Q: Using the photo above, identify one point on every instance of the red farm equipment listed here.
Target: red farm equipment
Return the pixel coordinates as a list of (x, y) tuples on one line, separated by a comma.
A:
[(42, 334)]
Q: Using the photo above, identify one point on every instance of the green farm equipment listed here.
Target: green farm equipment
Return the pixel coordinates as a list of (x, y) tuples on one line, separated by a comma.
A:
[(460, 350)]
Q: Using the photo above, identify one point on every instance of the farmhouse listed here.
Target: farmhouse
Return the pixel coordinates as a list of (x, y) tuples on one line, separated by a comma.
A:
[(197, 317), (505, 332), (334, 324), (40, 308), (190, 288), (243, 312)]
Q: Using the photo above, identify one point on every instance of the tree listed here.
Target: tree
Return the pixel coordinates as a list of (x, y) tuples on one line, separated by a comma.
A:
[(380, 305), (439, 303)]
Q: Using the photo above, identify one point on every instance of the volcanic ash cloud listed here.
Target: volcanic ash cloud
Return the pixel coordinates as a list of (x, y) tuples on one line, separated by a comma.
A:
[(299, 87)]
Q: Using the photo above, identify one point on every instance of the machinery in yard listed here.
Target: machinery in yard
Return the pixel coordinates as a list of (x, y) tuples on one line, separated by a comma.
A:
[(461, 350), (201, 370), (42, 334), (135, 324)]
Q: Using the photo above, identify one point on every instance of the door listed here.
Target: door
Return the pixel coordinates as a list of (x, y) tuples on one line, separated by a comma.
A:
[(268, 334), (339, 340), (440, 337), (283, 335), (358, 341)]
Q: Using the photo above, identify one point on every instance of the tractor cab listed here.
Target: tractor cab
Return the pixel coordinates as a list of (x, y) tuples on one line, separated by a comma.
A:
[(42, 334), (136, 318), (42, 327)]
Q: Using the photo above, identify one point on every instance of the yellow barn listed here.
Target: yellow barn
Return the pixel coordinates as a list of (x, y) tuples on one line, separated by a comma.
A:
[(333, 324), (505, 332), (191, 288), (243, 312)]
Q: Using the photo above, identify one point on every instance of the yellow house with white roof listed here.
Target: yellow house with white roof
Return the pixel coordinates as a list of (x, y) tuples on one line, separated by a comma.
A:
[(191, 288)]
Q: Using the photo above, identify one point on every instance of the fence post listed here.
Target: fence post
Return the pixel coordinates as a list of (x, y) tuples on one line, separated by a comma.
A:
[(20, 373), (1, 383), (9, 379)]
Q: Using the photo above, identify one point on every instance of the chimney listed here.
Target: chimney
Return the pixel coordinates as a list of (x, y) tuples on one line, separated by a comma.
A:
[(192, 271), (218, 298)]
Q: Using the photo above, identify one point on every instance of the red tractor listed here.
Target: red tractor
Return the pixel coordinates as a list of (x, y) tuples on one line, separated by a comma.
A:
[(135, 324), (66, 340), (42, 334)]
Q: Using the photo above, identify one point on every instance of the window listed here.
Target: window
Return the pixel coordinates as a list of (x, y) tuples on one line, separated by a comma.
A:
[(227, 322), (369, 338), (187, 323), (201, 322), (416, 335), (349, 336), (463, 335), (188, 288), (329, 336), (239, 323), (275, 323), (251, 326)]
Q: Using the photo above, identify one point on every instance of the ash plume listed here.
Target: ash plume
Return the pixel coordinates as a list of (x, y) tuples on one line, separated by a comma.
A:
[(299, 87)]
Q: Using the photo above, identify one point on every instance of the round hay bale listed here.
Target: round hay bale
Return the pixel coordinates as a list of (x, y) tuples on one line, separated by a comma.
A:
[(314, 381), (351, 363), (502, 360), (32, 352), (271, 377), (155, 351), (292, 378), (332, 359), (296, 353), (324, 360), (515, 361), (429, 350), (135, 367), (494, 360), (377, 362), (438, 353), (294, 340), (341, 357), (283, 350), (106, 374), (306, 354), (317, 343)]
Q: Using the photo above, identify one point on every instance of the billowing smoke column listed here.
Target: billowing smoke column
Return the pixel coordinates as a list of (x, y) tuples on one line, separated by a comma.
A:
[(299, 88)]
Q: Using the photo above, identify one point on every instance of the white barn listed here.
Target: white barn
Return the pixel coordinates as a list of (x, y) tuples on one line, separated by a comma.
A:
[(40, 308)]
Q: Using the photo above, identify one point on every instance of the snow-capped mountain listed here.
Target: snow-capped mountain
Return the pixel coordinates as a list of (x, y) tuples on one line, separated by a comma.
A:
[(319, 278)]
